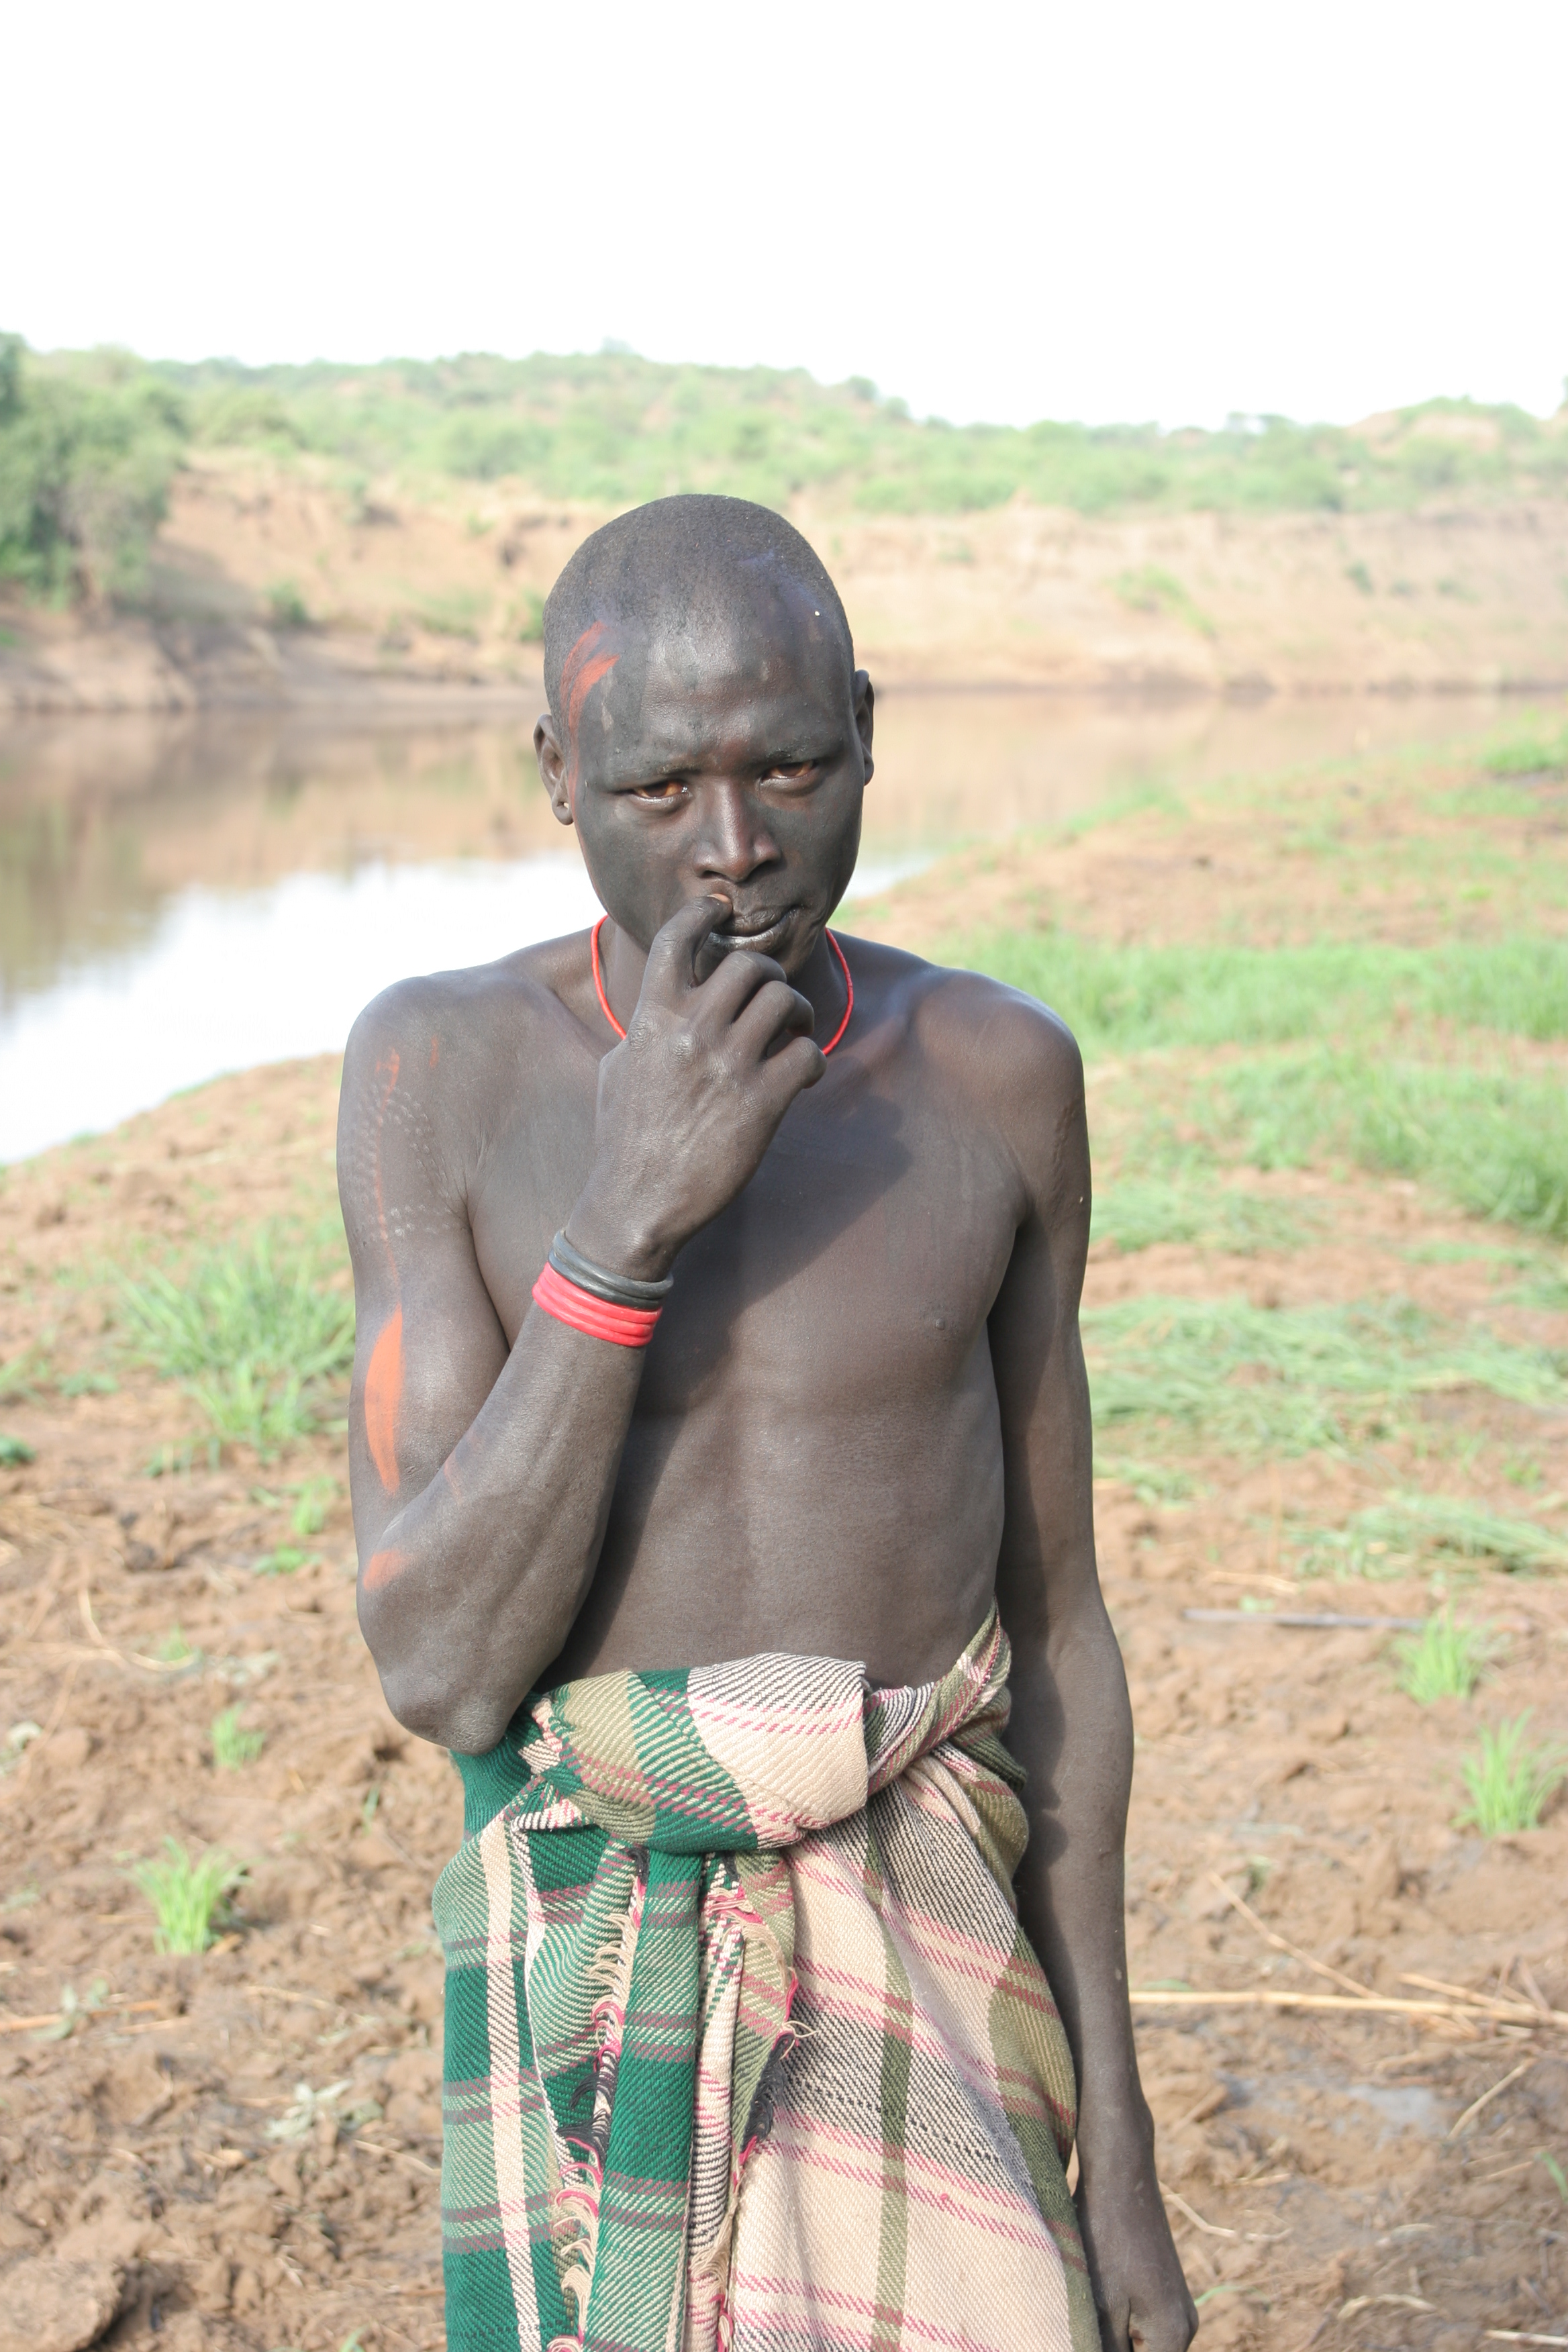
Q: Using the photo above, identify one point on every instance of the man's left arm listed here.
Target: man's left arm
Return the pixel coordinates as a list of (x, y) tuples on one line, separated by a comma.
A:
[(1073, 1724)]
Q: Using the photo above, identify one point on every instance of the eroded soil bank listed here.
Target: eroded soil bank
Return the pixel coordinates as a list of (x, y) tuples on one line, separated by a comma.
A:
[(273, 589)]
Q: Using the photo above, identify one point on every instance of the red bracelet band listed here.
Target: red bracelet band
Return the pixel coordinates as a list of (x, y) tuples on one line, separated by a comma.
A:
[(628, 1327)]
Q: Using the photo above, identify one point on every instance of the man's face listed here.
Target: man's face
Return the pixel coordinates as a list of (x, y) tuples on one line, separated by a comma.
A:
[(727, 758)]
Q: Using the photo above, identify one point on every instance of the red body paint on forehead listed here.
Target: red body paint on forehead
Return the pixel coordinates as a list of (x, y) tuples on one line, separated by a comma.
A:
[(580, 674)]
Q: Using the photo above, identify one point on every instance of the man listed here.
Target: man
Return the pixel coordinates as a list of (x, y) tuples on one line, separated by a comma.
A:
[(745, 2043)]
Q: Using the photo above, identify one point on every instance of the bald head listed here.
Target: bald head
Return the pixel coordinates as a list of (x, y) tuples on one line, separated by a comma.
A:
[(681, 569)]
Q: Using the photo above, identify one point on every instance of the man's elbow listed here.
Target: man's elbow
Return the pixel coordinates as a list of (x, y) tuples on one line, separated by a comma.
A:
[(465, 1722), (424, 1692)]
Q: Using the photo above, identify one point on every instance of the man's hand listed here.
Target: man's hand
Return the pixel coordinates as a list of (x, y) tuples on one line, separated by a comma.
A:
[(692, 1097), (1136, 2273)]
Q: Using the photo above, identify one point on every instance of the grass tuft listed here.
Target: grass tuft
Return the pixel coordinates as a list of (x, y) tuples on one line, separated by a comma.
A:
[(1394, 1537), (1444, 1660), (233, 1746), (1137, 1211), (1247, 1378), (258, 1337), (1508, 1782), (1496, 1140), (187, 1895)]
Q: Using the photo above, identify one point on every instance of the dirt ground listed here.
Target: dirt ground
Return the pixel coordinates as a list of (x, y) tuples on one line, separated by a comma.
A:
[(242, 2150), (274, 587)]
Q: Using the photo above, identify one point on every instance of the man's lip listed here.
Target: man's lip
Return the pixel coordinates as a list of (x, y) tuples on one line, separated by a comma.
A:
[(744, 930)]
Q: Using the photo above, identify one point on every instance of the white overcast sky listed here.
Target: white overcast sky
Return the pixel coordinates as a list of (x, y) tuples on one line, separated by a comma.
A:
[(999, 211)]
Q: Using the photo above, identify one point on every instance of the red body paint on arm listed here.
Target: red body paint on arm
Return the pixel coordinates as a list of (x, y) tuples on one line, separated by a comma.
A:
[(381, 1566), (383, 1397)]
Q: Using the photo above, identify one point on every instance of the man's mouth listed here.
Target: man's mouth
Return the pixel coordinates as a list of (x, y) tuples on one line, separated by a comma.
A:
[(760, 931)]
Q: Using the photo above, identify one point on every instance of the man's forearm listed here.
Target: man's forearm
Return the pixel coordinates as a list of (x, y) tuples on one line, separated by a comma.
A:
[(475, 1581), (1072, 1730)]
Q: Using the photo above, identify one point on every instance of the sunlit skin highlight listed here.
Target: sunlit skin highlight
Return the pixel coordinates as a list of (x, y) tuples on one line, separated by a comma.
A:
[(387, 1072), (384, 1399)]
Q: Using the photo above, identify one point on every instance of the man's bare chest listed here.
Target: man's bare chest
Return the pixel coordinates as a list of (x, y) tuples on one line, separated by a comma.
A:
[(880, 1220)]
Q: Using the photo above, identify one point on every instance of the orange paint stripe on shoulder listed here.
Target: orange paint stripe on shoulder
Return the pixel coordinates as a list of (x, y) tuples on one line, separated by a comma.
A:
[(381, 1566), (383, 1398)]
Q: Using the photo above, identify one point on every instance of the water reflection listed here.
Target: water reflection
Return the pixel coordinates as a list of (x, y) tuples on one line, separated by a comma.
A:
[(182, 897)]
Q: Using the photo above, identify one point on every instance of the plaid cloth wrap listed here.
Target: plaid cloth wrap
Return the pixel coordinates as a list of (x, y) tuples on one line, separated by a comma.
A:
[(745, 2047)]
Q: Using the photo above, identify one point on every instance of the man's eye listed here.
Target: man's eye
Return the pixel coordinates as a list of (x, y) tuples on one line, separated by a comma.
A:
[(662, 793), (790, 772)]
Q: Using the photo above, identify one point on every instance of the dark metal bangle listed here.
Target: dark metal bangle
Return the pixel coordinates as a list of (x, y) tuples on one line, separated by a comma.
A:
[(616, 1289)]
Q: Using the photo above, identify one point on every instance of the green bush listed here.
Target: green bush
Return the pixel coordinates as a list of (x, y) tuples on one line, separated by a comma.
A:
[(86, 455), (286, 608)]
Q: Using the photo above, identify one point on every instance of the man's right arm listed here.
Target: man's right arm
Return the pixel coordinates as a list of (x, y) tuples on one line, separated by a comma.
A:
[(482, 1473)]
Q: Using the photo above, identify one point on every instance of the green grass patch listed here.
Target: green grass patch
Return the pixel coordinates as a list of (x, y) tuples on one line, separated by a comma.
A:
[(1151, 589), (189, 1896), (1136, 1211), (1509, 1784), (1152, 1481), (1410, 1531), (1222, 1374), (1445, 1660), (1128, 999), (285, 1559), (1536, 745), (1495, 1140), (306, 1504), (234, 1746), (260, 1337)]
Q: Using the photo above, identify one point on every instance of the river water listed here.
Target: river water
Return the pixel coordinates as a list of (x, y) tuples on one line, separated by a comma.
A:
[(178, 899)]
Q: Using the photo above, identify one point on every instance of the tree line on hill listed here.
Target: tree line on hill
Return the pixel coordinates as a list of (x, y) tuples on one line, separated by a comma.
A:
[(90, 443)]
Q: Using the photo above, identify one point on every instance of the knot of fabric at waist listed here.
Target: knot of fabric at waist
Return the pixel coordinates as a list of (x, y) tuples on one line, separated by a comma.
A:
[(750, 1754)]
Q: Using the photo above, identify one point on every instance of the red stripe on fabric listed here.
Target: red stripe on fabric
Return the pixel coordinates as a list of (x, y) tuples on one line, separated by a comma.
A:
[(628, 1327)]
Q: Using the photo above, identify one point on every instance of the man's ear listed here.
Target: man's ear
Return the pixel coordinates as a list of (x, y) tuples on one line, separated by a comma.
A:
[(864, 698), (551, 761)]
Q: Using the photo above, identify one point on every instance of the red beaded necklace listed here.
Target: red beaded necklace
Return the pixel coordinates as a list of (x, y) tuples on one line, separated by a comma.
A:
[(604, 1001)]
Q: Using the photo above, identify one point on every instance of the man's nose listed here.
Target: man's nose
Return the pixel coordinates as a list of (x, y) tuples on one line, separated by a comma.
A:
[(733, 840)]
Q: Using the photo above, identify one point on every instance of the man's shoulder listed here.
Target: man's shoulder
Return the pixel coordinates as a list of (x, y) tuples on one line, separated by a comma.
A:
[(462, 1021), (991, 1036)]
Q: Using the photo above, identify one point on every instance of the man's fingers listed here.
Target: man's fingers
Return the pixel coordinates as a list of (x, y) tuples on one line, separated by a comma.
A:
[(739, 978), (791, 1070), (775, 1011), (672, 958)]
